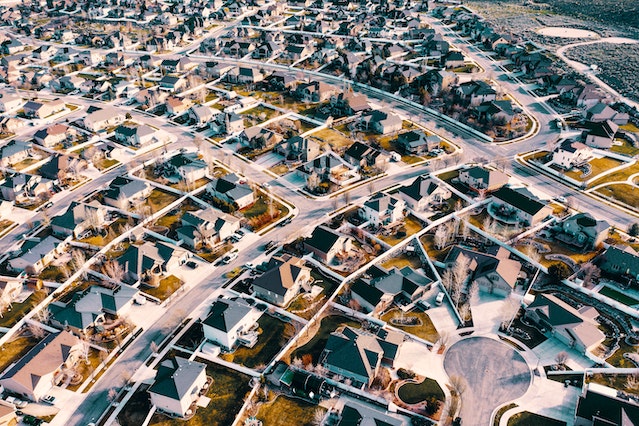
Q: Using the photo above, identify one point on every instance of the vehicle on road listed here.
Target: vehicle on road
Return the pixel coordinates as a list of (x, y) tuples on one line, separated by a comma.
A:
[(561, 199), (230, 257), (249, 265), (266, 185), (49, 399), (440, 298)]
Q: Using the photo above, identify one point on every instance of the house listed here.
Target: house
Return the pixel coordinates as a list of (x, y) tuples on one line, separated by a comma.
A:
[(325, 244), (78, 218), (22, 187), (620, 262), (601, 135), (476, 92), (570, 153), (358, 355), (54, 134), (172, 84), (135, 135), (284, 277), (176, 106), (381, 121), (259, 137), (315, 91), (357, 413), (231, 322), (416, 142), (14, 152), (231, 189), (202, 114), (519, 204), (36, 255), (492, 270), (140, 262), (101, 118), (207, 226), (10, 289), (63, 168), (349, 103), (362, 155), (87, 308), (600, 405), (33, 376), (453, 59), (423, 192), (124, 193), (582, 231), (244, 75), (10, 100), (186, 166), (178, 385), (500, 112), (576, 328), (602, 112), (298, 148), (33, 109), (8, 416), (396, 285), (383, 210), (483, 179)]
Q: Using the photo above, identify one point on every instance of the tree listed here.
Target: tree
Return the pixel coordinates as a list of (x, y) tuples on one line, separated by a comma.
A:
[(441, 237), (633, 230), (591, 273), (113, 269), (460, 270), (36, 331), (561, 358), (346, 196), (559, 271)]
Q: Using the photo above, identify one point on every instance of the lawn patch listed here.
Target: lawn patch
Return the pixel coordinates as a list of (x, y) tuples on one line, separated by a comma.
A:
[(413, 393), (619, 296), (424, 328), (14, 349), (621, 192), (285, 411), (160, 199), (527, 418), (19, 310), (167, 287)]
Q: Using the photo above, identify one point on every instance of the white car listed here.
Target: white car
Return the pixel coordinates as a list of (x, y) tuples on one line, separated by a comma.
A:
[(266, 185), (561, 199)]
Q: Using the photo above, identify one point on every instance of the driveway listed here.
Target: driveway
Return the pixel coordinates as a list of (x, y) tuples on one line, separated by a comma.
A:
[(495, 373)]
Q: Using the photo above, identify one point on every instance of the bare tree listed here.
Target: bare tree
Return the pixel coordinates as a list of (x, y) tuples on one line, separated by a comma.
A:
[(79, 259), (154, 347), (457, 384), (153, 280), (507, 311), (441, 237), (346, 196), (36, 331), (460, 270), (591, 273), (43, 316), (632, 382), (112, 396), (318, 417), (113, 269), (561, 358)]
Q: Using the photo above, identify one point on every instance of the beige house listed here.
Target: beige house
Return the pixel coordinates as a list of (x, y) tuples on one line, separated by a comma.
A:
[(282, 280)]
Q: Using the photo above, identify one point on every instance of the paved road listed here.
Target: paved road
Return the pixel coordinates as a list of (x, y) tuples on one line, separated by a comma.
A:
[(495, 373)]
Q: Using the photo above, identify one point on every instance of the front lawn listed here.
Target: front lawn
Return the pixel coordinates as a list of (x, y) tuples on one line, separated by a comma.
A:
[(527, 418), (598, 166), (227, 393), (337, 140), (622, 192), (424, 328), (167, 287), (273, 336), (402, 261), (410, 227), (413, 393), (316, 345), (262, 214), (286, 411)]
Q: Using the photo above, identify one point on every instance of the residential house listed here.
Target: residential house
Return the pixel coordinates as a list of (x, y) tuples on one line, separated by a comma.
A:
[(8, 416), (266, 50), (476, 92), (141, 262), (582, 231), (209, 226), (203, 114), (349, 103), (33, 109), (453, 59), (101, 118), (602, 112), (63, 168), (231, 189), (54, 134), (315, 91), (601, 135), (481, 178), (416, 142), (231, 322), (177, 386), (78, 218), (87, 308), (520, 205), (620, 262), (423, 192), (135, 135), (381, 121), (21, 187), (358, 355), (396, 285), (601, 405), (284, 277), (124, 193), (362, 155), (492, 270), (14, 152), (500, 112), (172, 83), (33, 376), (298, 148), (326, 244), (187, 166), (259, 137), (357, 413), (10, 100), (176, 106), (244, 75), (37, 255), (576, 328), (383, 210), (570, 153)]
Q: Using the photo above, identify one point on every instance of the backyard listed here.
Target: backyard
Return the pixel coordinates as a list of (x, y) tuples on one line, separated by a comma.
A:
[(18, 310), (411, 226), (14, 349), (316, 345), (622, 192), (598, 166), (402, 261), (337, 140), (168, 286), (285, 411), (160, 199), (424, 328), (619, 296)]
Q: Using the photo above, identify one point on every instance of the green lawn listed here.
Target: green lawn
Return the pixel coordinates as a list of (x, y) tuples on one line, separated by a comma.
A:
[(167, 287), (285, 411), (316, 345), (14, 349), (527, 418), (271, 339), (625, 148), (262, 113), (413, 393), (227, 393), (425, 330), (19, 310), (617, 358), (619, 296)]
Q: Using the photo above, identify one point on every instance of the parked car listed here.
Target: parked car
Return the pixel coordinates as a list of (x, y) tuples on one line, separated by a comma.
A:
[(230, 257), (50, 399), (440, 298), (191, 264)]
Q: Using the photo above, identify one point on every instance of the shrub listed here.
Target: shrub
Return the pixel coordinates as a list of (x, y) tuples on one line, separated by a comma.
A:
[(404, 374)]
